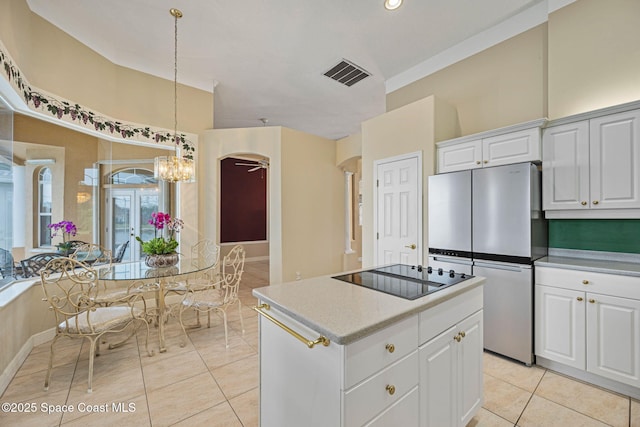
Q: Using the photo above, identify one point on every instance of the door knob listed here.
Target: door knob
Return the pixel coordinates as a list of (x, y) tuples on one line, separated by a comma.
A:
[(411, 246)]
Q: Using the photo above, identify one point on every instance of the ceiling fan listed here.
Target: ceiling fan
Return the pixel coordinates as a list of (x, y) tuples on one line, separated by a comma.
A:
[(260, 164)]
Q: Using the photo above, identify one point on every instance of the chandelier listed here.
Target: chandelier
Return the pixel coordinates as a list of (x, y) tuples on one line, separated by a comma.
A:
[(174, 168)]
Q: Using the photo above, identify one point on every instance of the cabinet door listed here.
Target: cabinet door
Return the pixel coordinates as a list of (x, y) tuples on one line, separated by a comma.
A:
[(514, 147), (615, 161), (613, 338), (438, 377), (466, 155), (565, 167), (402, 413), (470, 378), (560, 325)]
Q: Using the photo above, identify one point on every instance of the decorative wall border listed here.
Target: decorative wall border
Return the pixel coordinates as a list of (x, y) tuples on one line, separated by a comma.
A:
[(38, 100)]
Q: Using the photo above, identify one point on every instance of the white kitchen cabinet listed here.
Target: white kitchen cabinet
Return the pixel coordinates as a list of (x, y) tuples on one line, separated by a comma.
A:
[(592, 166), (377, 380), (589, 321), (451, 375), (493, 148)]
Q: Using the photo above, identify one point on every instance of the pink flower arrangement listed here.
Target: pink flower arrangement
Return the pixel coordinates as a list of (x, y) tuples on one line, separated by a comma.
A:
[(160, 244)]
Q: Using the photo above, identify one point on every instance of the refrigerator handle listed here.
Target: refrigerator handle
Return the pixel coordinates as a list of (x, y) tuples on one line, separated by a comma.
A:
[(452, 260), (499, 266)]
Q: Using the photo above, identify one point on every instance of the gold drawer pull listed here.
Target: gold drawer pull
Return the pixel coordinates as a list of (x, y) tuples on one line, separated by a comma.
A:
[(583, 203), (391, 389), (486, 161), (478, 162), (462, 334), (595, 202), (390, 348), (592, 301), (585, 282), (457, 338), (579, 298), (321, 339)]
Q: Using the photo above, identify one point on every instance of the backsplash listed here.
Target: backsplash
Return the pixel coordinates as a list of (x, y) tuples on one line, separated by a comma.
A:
[(609, 235)]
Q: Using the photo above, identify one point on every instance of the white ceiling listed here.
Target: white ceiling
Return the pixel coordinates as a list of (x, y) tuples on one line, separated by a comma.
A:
[(268, 56)]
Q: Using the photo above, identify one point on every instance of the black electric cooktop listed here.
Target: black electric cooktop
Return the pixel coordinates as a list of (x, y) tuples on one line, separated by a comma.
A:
[(405, 281)]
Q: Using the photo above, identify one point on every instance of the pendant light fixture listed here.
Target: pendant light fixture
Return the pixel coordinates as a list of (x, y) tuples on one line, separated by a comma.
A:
[(174, 168)]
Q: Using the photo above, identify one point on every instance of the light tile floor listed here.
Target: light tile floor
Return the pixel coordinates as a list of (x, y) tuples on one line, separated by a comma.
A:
[(206, 384)]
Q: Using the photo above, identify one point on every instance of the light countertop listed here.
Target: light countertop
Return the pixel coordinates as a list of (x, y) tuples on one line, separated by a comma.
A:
[(607, 266), (344, 312)]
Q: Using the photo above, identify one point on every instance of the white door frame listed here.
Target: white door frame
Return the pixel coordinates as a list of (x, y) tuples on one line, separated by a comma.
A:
[(419, 237), (134, 217)]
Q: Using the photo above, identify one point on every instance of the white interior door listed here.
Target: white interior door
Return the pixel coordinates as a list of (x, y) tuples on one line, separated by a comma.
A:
[(399, 210), (129, 212)]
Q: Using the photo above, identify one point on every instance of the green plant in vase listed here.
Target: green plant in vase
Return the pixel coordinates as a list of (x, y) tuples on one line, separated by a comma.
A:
[(161, 250)]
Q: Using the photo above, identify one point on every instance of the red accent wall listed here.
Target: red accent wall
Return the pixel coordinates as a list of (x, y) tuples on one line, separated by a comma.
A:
[(243, 202)]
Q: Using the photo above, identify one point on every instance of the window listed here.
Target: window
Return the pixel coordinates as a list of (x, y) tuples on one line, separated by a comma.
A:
[(44, 206), (132, 176)]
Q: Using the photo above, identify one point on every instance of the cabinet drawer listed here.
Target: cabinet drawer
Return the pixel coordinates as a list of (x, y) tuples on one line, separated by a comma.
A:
[(436, 320), (372, 353), (402, 413), (587, 281), (371, 397), (514, 147)]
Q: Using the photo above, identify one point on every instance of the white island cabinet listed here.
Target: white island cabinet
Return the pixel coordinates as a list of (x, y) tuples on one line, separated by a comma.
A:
[(383, 365)]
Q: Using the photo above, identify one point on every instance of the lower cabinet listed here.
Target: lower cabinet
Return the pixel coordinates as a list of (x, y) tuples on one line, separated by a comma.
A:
[(386, 379), (589, 321), (451, 375)]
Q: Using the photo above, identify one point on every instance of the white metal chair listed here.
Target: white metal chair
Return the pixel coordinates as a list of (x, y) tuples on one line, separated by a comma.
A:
[(70, 288), (208, 296)]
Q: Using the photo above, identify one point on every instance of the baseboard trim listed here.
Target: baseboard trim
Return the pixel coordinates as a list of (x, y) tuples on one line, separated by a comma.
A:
[(15, 364), (590, 378)]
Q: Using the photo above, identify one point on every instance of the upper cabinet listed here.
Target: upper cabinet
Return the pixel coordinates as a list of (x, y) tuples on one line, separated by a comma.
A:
[(513, 144), (591, 168)]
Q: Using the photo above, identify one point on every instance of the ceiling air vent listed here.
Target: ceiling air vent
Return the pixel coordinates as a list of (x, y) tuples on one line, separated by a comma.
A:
[(347, 73)]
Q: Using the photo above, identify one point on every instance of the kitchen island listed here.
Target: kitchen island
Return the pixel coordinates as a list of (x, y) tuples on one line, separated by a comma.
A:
[(369, 358)]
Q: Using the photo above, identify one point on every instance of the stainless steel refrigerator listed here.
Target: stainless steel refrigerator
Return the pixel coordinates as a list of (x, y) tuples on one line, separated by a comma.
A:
[(507, 233)]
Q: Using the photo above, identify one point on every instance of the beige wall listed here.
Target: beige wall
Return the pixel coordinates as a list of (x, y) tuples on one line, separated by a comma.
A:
[(594, 56), (83, 76), (312, 206), (499, 86), (407, 129)]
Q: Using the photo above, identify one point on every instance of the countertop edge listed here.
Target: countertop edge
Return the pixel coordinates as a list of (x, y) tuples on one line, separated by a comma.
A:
[(591, 265), (374, 326)]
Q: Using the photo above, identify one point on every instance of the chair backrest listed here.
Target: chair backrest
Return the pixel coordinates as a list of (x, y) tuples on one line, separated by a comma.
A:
[(205, 252), (31, 266), (119, 252), (6, 264), (232, 269), (92, 254), (74, 244), (69, 287)]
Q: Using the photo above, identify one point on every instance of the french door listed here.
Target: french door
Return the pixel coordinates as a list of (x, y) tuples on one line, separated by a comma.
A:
[(129, 211)]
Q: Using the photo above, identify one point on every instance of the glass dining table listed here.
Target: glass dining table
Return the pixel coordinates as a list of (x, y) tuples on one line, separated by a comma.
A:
[(156, 280)]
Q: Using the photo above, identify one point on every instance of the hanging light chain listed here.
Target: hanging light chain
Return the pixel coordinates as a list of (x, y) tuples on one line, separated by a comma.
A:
[(176, 14)]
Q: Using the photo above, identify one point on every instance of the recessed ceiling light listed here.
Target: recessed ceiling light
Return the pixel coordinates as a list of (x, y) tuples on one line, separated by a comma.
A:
[(392, 4)]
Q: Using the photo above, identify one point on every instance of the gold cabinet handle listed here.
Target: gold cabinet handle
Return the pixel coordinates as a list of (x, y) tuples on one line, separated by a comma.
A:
[(478, 162), (595, 202), (486, 161), (462, 334), (321, 339), (411, 246), (579, 298), (592, 301), (391, 389), (390, 348), (457, 338), (583, 203), (585, 282)]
